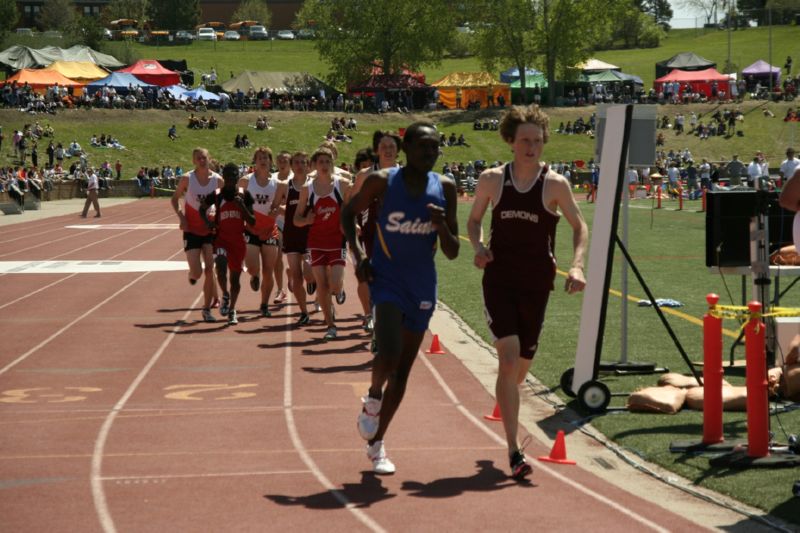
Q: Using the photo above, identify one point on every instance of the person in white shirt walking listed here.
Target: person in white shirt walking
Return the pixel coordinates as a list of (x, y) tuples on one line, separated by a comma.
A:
[(91, 194)]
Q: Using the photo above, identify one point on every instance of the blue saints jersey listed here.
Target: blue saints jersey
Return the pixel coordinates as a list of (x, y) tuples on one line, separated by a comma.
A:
[(405, 243)]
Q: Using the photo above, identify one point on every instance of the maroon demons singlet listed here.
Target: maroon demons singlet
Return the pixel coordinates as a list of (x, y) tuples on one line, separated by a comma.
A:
[(522, 237)]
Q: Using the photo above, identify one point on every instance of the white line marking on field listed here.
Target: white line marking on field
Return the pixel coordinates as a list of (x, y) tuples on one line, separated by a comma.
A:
[(100, 266), (212, 475), (95, 477), (360, 515), (122, 226), (472, 418)]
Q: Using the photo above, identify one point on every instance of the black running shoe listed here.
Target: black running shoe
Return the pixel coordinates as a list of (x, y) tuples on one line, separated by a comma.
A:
[(264, 310), (519, 466), (311, 287), (303, 320), (225, 306), (341, 297)]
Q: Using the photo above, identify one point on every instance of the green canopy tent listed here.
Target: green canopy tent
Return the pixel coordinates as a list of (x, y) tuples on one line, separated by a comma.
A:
[(531, 81)]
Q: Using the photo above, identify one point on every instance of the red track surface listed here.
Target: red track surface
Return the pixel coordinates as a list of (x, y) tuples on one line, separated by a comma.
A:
[(120, 411)]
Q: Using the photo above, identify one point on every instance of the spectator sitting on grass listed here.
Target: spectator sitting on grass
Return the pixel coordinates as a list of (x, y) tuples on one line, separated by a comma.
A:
[(261, 123), (172, 133)]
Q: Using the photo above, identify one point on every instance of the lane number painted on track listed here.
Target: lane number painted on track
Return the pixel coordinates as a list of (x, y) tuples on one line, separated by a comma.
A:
[(213, 391), (46, 395)]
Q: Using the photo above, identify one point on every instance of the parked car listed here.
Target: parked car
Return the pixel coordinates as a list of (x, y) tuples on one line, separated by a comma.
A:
[(206, 34), (184, 35), (231, 35), (257, 33), (287, 35), (107, 35), (305, 33)]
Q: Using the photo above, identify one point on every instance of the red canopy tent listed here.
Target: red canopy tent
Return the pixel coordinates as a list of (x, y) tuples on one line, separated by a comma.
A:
[(377, 70), (699, 80), (151, 71)]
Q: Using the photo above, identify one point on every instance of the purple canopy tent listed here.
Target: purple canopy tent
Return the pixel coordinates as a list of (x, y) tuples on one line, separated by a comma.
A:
[(761, 71)]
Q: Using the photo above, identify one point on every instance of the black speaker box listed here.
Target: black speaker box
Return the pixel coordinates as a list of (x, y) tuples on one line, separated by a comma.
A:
[(728, 215)]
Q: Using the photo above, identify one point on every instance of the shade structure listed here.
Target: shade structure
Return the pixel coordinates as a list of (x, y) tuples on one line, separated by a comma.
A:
[(761, 71), (196, 94), (699, 80), (684, 61), (377, 70), (511, 75), (388, 82), (176, 91), (19, 57), (593, 64), (151, 71), (80, 71), (39, 80), (473, 86), (120, 81)]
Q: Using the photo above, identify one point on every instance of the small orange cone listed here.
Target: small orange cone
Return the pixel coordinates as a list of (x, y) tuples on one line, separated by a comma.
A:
[(435, 347), (495, 416), (559, 452)]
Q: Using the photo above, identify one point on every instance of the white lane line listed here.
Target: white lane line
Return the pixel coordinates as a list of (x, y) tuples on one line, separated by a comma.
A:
[(65, 278), (90, 266), (200, 476), (479, 423), (28, 236), (95, 477), (360, 515)]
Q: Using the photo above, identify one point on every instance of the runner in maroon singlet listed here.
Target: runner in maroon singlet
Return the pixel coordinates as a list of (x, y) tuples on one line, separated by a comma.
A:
[(519, 264), (321, 200)]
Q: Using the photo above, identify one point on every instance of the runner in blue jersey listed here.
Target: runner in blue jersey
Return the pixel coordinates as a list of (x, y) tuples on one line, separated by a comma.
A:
[(417, 211)]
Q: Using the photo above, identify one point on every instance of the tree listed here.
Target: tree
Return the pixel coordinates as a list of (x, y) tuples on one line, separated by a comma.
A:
[(253, 10), (661, 11), (352, 36), (8, 16), (709, 8), (174, 14), (57, 15), (88, 31), (126, 9)]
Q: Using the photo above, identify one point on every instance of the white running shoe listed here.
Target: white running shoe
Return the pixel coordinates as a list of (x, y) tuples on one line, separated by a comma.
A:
[(380, 463), (369, 417)]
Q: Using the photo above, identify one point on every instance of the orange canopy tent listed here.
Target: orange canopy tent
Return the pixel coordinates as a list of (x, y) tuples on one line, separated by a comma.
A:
[(472, 86), (40, 79)]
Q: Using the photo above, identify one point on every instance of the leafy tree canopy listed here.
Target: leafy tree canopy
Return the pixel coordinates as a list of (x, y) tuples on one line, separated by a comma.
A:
[(174, 14), (57, 15), (253, 10), (352, 36), (8, 16), (126, 9)]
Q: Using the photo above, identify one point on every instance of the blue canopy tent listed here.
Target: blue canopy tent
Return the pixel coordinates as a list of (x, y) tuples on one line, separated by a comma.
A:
[(512, 74), (176, 91), (196, 94), (120, 81)]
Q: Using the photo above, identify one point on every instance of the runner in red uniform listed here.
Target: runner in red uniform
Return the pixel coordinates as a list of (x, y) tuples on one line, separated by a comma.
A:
[(319, 207), (197, 237), (519, 264), (233, 209)]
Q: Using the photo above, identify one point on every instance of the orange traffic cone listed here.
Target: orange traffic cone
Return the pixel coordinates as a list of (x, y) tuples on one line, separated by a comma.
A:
[(559, 452), (495, 416), (435, 347)]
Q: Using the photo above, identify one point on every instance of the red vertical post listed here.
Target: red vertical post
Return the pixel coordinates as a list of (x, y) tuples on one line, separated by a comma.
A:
[(658, 192), (680, 197), (594, 193), (712, 374), (703, 205), (756, 382)]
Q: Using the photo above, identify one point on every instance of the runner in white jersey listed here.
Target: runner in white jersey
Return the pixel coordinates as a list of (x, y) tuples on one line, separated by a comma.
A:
[(262, 239), (283, 175), (195, 187)]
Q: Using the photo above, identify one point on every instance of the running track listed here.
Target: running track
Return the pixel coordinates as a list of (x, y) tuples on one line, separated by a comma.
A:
[(120, 411)]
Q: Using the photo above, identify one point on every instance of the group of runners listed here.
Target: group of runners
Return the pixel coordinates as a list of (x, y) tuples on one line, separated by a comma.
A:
[(392, 219)]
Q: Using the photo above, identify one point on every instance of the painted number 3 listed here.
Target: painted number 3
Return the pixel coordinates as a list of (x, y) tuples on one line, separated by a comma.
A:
[(46, 395), (215, 391)]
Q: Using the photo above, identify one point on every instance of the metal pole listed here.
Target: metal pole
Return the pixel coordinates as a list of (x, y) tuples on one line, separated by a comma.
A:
[(623, 345), (769, 54), (730, 23)]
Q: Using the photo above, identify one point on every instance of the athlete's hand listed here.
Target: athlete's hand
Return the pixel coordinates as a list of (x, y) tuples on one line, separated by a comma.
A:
[(575, 281), (483, 256), (437, 216), (182, 222), (364, 271)]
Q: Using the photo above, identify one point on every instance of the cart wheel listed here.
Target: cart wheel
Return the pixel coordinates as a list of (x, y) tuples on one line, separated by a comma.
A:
[(566, 382), (594, 396)]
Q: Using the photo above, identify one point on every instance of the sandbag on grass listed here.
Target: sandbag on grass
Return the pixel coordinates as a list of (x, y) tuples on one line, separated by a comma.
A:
[(682, 381), (733, 398), (667, 399)]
